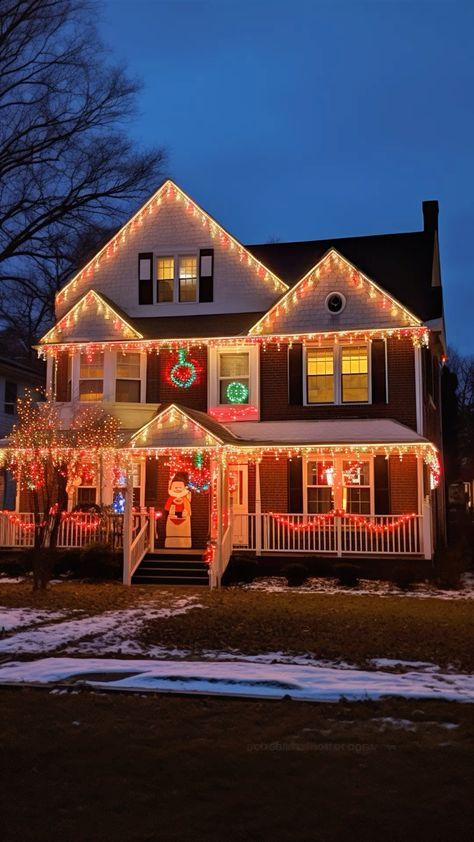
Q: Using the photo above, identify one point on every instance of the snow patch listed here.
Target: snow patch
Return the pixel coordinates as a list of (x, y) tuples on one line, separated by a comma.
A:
[(16, 618), (269, 681)]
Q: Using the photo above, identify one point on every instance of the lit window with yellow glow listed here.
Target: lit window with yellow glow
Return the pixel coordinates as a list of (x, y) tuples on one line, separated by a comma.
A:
[(128, 382), (91, 376), (165, 277), (319, 486), (356, 487), (320, 375), (355, 374), (187, 278)]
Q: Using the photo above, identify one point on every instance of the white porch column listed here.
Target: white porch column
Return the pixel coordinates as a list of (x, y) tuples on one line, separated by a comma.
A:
[(258, 511), (128, 527), (427, 527), (50, 363), (219, 501)]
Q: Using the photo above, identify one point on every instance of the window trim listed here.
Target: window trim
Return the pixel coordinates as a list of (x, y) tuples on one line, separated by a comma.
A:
[(337, 368), (214, 380), (141, 378), (176, 255)]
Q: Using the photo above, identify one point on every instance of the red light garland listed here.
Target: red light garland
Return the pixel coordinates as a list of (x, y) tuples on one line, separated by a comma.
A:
[(356, 519)]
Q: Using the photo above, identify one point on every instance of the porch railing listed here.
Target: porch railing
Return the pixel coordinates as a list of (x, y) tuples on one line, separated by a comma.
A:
[(343, 534)]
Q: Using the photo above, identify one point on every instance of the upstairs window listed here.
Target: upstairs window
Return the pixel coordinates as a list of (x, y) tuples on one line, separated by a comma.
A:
[(234, 378), (128, 378), (320, 375), (188, 278), (337, 374), (355, 374), (11, 395), (165, 278), (91, 376)]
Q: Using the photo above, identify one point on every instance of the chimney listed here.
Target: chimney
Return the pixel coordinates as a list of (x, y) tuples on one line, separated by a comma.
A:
[(430, 215)]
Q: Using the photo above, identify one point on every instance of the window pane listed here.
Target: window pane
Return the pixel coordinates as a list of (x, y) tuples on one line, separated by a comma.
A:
[(356, 473), (92, 365), (235, 391), (165, 276), (355, 378), (320, 375), (86, 496), (187, 278), (128, 365), (127, 391), (320, 473), (90, 390), (319, 500), (234, 365), (358, 501)]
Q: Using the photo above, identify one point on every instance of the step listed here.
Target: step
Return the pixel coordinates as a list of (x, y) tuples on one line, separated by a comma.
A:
[(172, 562), (169, 580)]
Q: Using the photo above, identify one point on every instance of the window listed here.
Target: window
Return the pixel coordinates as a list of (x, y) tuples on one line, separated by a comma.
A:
[(320, 375), (165, 277), (319, 484), (338, 374), (355, 374), (188, 278), (127, 378), (86, 495), (11, 394), (91, 376), (118, 504), (234, 378), (356, 487)]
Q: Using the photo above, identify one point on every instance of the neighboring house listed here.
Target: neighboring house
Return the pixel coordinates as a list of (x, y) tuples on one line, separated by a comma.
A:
[(278, 398), (15, 379)]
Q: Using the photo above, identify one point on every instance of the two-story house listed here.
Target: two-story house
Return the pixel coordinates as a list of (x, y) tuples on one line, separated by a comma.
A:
[(280, 398)]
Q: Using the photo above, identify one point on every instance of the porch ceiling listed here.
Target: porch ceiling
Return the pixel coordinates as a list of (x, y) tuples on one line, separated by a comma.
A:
[(378, 431)]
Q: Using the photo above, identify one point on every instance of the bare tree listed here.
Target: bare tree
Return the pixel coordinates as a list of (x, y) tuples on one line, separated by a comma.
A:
[(463, 369), (67, 164)]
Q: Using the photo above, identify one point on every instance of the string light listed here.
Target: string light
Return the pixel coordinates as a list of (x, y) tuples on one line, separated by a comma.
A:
[(184, 372), (357, 520)]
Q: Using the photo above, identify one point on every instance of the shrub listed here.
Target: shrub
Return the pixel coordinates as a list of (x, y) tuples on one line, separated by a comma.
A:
[(450, 563), (403, 577), (347, 574), (295, 574), (97, 561), (242, 570)]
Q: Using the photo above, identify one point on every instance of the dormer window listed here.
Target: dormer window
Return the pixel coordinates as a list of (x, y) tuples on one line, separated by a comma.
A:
[(165, 279), (176, 278), (187, 278)]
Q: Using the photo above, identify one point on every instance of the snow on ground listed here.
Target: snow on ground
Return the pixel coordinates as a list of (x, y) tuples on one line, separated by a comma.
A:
[(366, 587), (110, 631), (14, 618), (270, 681)]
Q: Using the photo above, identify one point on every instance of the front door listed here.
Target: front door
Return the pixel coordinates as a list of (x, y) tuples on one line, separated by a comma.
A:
[(239, 494)]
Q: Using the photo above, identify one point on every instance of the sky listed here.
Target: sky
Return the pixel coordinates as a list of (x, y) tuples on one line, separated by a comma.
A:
[(303, 120)]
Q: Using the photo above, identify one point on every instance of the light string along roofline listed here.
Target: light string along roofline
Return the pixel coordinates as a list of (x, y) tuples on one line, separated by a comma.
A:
[(169, 191), (418, 334), (333, 259)]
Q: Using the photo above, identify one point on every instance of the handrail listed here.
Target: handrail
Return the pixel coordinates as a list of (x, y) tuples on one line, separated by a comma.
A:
[(139, 548)]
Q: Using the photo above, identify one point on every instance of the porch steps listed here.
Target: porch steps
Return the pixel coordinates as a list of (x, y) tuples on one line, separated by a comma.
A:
[(172, 569)]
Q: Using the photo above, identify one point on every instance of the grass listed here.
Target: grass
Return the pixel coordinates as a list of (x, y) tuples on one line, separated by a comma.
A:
[(121, 767), (333, 626)]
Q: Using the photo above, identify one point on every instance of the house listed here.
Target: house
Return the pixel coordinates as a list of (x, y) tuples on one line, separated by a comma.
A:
[(277, 399), (16, 377)]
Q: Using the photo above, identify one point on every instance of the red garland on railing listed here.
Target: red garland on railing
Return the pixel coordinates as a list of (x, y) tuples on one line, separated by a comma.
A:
[(16, 520), (356, 519)]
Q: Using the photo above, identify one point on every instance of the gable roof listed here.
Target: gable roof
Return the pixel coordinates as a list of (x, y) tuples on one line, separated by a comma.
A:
[(402, 264), (312, 280), (104, 308), (205, 431), (167, 191)]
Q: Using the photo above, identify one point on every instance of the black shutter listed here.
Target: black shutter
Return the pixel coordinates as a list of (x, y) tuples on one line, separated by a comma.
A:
[(151, 482), (145, 278), (379, 374), (62, 363), (295, 486), (381, 495), (152, 378), (295, 375), (206, 275)]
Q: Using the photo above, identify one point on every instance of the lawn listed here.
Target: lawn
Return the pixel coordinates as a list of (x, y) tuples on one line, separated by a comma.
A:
[(336, 627), (87, 766)]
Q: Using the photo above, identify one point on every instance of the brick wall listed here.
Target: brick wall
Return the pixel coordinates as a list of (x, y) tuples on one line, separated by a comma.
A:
[(274, 484), (401, 389), (196, 396), (403, 485)]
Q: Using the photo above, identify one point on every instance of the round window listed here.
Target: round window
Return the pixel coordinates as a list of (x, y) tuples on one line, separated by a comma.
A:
[(335, 302)]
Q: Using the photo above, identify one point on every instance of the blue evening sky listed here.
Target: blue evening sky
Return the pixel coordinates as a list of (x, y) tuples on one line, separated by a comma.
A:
[(302, 120)]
